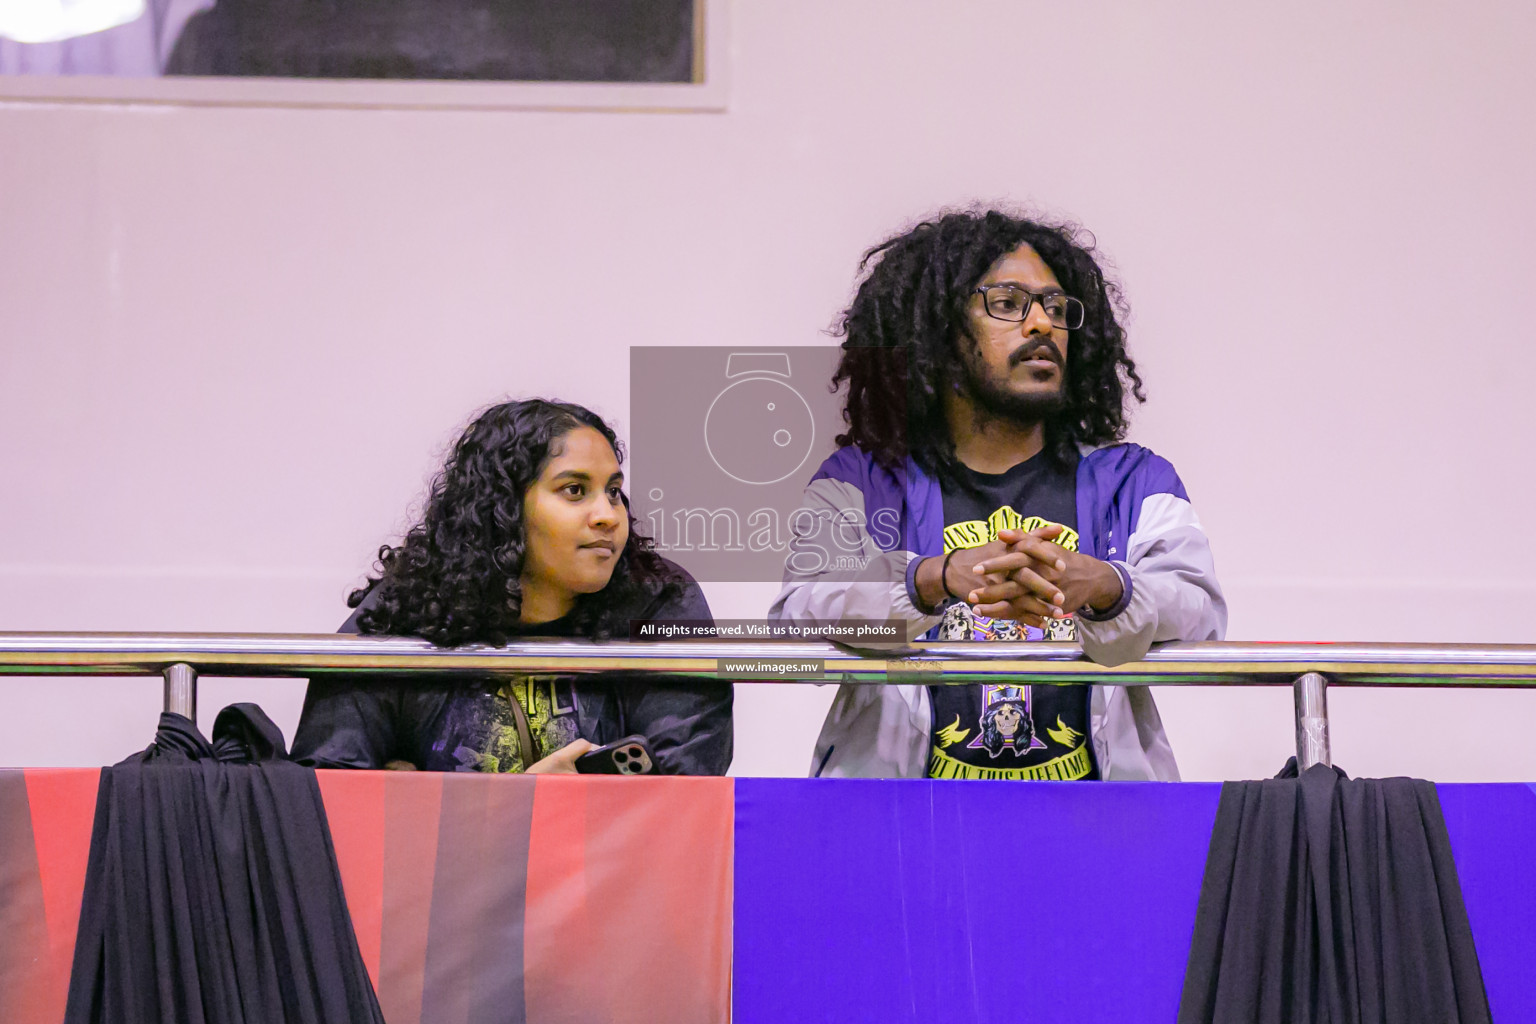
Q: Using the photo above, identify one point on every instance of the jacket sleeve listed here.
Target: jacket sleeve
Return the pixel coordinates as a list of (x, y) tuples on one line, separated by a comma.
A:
[(346, 724), (836, 571), (687, 722), (1174, 594)]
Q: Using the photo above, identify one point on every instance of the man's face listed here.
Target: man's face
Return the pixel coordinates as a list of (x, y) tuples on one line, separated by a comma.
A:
[(1016, 369)]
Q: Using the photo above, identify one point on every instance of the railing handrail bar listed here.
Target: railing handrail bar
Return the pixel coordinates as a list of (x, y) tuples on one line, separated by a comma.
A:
[(1309, 668), (1217, 663)]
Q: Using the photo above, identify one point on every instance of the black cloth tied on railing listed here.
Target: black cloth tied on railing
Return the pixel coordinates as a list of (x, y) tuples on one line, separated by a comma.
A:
[(1328, 900), (212, 894)]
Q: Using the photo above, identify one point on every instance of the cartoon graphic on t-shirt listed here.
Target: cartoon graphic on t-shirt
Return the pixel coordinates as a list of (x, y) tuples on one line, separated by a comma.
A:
[(1006, 723), (549, 703), (961, 622), (1002, 739)]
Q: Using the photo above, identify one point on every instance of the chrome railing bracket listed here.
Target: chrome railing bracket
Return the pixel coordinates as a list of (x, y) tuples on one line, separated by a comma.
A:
[(1312, 721), (181, 690)]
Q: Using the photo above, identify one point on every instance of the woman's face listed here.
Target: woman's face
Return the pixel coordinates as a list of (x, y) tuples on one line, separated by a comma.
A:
[(575, 524)]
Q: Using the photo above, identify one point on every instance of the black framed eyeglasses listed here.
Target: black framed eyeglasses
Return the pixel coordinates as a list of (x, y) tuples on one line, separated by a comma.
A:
[(1012, 303)]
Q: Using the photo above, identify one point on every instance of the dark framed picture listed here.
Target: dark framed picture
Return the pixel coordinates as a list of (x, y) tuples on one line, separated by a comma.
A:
[(595, 54)]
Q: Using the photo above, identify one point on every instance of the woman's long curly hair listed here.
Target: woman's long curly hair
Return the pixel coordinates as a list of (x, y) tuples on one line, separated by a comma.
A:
[(909, 316), (456, 577)]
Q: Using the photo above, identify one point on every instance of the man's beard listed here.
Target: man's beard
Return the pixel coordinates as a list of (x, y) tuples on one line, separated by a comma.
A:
[(993, 401)]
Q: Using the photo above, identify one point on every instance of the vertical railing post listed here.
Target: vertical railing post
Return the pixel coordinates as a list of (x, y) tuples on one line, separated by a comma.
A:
[(181, 690), (1312, 721)]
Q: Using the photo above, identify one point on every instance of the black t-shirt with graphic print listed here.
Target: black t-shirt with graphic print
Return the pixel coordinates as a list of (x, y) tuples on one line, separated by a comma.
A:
[(1020, 730)]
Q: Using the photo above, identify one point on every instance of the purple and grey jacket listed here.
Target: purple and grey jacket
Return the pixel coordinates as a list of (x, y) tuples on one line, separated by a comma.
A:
[(1132, 511)]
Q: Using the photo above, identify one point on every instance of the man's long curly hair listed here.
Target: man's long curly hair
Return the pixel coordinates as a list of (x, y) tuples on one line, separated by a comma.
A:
[(456, 577), (909, 316)]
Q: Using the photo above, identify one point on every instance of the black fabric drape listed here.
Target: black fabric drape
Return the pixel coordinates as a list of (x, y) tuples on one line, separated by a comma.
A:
[(212, 894), (1328, 900)]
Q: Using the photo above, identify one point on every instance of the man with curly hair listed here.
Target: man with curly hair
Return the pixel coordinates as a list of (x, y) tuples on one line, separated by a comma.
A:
[(985, 484)]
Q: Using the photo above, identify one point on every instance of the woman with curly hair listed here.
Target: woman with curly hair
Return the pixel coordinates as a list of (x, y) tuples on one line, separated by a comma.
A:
[(526, 534), (988, 381)]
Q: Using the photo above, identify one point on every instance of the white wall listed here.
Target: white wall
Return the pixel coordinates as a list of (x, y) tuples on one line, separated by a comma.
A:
[(234, 341)]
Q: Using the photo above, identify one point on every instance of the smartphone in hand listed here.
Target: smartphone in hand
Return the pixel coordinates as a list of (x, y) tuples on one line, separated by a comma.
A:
[(628, 756)]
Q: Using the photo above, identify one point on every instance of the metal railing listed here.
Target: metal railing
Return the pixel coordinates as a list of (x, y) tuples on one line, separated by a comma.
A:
[(1309, 668)]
